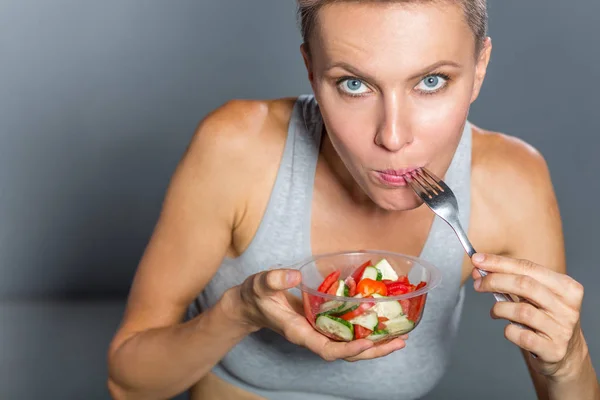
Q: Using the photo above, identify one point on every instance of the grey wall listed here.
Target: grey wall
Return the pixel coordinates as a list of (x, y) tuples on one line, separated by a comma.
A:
[(99, 99)]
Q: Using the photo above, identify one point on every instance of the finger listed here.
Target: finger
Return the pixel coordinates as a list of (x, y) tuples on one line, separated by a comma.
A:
[(528, 340), (558, 283), (475, 274), (304, 335), (379, 351), (523, 286), (330, 350), (527, 314), (277, 280)]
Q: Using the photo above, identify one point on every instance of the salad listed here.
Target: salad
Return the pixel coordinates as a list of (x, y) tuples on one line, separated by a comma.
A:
[(350, 320)]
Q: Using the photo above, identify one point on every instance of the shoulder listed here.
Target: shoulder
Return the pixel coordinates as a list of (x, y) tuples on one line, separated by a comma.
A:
[(513, 165), (239, 139), (235, 153), (513, 192), (239, 126)]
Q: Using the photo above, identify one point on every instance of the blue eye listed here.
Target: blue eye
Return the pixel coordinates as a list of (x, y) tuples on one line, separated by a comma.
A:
[(432, 83), (353, 84), (353, 87)]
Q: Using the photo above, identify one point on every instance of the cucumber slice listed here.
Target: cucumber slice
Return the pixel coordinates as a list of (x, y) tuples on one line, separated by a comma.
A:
[(378, 335), (335, 307), (389, 309), (367, 320), (346, 308), (399, 326), (335, 326), (387, 271), (331, 307), (371, 273), (342, 289)]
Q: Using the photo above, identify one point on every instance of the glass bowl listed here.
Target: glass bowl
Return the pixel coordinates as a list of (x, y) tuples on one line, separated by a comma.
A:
[(369, 294)]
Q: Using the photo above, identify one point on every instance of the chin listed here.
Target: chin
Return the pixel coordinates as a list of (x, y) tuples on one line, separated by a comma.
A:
[(397, 200)]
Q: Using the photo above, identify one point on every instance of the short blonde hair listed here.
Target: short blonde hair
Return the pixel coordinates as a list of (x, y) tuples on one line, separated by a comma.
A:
[(475, 13)]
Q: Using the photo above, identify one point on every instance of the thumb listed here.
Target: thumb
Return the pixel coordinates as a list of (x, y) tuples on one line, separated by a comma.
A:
[(280, 279)]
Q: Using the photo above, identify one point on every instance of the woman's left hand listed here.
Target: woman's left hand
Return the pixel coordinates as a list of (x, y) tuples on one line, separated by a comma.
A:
[(552, 310)]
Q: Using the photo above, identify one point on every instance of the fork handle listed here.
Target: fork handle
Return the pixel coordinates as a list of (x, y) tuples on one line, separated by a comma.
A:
[(466, 243), (464, 240)]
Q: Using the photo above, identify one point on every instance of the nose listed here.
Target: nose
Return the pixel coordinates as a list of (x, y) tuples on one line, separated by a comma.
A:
[(394, 131)]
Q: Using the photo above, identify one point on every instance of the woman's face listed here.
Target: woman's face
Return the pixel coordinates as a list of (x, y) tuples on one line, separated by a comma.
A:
[(394, 83)]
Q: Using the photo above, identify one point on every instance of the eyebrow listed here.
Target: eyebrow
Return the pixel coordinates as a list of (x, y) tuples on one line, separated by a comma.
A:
[(424, 71)]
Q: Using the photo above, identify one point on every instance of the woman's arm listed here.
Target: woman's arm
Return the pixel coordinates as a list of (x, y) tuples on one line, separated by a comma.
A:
[(160, 363), (234, 155), (535, 269), (153, 355)]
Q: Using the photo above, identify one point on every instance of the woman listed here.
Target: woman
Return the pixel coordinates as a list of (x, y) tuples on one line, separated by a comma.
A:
[(270, 182)]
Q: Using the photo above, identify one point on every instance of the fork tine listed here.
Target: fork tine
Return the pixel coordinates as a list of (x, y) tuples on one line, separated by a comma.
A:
[(422, 188), (430, 179), (417, 187), (432, 191)]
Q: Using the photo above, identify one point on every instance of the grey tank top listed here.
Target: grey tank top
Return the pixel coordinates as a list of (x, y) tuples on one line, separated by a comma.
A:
[(267, 364)]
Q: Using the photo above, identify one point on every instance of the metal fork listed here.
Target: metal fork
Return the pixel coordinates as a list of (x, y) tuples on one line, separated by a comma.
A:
[(442, 201)]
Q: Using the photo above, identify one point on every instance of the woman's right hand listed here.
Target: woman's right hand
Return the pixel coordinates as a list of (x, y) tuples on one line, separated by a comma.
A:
[(264, 302)]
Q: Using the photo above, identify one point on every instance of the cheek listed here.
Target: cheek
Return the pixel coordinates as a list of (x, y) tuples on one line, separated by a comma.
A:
[(440, 120), (349, 126)]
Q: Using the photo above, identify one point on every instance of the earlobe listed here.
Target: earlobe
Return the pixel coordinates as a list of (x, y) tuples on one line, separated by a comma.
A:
[(481, 67)]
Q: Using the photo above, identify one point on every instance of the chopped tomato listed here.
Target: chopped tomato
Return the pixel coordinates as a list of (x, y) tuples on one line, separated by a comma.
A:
[(405, 304), (381, 325), (416, 304), (404, 279), (333, 289), (329, 281), (351, 283), (367, 287), (356, 275), (311, 304), (414, 309), (362, 308), (397, 288), (316, 301), (361, 332)]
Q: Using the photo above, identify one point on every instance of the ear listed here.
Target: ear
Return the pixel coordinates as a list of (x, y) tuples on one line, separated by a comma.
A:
[(481, 67), (308, 63)]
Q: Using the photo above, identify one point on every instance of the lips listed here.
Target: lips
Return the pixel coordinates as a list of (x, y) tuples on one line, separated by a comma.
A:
[(394, 177), (398, 172)]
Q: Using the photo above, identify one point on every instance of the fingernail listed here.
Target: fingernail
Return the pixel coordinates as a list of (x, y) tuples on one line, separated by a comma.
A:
[(477, 284), (479, 258), (291, 278)]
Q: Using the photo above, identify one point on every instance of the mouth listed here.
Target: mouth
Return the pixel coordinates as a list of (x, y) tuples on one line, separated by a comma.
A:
[(394, 177)]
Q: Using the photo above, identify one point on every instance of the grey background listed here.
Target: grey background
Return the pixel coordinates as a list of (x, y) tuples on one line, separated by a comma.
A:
[(99, 99)]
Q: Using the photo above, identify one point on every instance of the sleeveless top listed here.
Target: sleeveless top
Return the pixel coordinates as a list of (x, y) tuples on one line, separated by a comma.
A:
[(265, 363)]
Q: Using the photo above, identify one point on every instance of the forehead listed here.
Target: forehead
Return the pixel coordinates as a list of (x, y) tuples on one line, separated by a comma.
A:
[(401, 34)]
